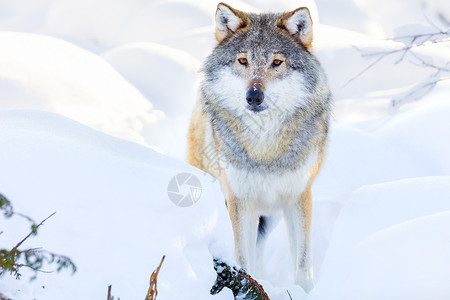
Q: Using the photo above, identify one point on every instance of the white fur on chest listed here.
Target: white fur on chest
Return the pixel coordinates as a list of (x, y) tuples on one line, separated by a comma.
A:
[(262, 131), (265, 190)]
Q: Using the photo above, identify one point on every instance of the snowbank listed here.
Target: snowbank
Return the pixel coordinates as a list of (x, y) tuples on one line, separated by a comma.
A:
[(45, 73), (113, 215), (75, 73), (151, 67), (389, 242)]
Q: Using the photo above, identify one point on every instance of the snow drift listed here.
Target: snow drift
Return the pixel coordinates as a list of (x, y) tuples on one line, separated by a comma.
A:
[(86, 87)]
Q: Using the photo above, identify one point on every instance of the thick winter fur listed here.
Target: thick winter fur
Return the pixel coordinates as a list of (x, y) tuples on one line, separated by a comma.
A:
[(260, 127)]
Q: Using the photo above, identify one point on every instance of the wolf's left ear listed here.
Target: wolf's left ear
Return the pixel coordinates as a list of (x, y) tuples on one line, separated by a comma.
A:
[(228, 20), (299, 24)]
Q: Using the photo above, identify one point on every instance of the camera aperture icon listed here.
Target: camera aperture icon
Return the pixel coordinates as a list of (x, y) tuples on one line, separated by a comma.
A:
[(184, 189)]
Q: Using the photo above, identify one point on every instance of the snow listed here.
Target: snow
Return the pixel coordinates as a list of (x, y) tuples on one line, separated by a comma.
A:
[(111, 196), (41, 72), (442, 8), (401, 226), (90, 89), (413, 248), (141, 65)]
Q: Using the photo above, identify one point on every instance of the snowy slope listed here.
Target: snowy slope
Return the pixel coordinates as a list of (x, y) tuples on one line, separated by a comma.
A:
[(87, 88), (389, 242), (113, 215), (41, 72)]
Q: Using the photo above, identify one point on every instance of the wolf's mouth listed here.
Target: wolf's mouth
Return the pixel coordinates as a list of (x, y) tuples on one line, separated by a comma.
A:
[(256, 109)]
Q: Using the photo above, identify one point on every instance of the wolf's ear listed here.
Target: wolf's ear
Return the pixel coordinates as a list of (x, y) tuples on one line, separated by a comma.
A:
[(228, 20), (299, 24)]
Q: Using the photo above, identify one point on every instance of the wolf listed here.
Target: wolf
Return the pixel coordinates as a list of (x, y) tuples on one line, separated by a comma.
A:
[(260, 126)]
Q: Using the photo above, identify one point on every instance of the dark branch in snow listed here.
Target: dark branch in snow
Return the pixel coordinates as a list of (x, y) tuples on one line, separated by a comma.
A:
[(238, 281)]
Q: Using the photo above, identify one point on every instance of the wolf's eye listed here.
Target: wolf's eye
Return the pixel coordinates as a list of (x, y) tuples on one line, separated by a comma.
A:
[(242, 61), (277, 62)]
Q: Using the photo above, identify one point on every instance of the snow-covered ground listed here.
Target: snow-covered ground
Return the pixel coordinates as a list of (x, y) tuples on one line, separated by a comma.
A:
[(95, 100)]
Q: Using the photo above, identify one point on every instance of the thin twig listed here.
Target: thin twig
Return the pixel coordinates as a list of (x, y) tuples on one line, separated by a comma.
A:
[(32, 232), (25, 217), (417, 36), (432, 23), (426, 64), (363, 71), (406, 49), (34, 269), (109, 293), (152, 291), (424, 89)]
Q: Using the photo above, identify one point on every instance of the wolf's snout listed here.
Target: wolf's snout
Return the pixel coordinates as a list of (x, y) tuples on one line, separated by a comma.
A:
[(255, 97)]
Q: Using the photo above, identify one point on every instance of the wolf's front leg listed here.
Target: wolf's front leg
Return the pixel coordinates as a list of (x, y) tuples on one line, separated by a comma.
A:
[(298, 220), (265, 225), (245, 228)]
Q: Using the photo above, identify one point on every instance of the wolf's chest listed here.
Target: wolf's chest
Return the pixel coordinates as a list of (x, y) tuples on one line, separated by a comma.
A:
[(270, 147), (267, 188)]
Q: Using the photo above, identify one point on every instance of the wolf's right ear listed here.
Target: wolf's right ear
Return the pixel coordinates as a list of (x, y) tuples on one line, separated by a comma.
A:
[(228, 20), (299, 24)]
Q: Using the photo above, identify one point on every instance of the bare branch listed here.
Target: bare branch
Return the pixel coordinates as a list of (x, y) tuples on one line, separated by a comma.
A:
[(428, 36), (25, 217), (363, 71), (35, 269), (109, 293), (152, 291), (423, 63), (32, 232), (409, 42), (432, 23), (420, 90)]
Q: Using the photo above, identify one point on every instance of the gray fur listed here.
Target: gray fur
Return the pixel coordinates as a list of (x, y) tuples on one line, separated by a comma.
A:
[(300, 125), (267, 168)]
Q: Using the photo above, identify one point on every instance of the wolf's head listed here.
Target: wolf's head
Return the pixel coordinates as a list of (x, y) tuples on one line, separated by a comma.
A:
[(263, 62)]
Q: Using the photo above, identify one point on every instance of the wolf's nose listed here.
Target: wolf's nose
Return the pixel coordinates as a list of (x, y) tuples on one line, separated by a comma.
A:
[(255, 97)]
